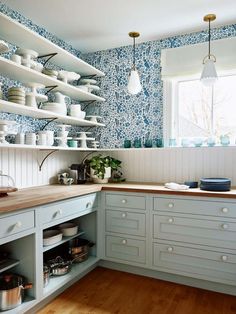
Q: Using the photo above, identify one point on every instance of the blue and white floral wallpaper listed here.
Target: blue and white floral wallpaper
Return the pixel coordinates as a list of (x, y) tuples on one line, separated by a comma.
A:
[(125, 116)]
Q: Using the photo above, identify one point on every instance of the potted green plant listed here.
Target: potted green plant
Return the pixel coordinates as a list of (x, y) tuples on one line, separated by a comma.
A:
[(101, 167)]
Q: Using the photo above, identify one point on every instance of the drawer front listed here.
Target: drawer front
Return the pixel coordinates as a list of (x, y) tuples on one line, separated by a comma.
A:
[(210, 265), (125, 249), (16, 223), (125, 201), (199, 231), (55, 211), (221, 209), (125, 222)]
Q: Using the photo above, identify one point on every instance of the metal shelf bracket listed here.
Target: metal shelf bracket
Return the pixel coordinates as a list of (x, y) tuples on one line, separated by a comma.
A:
[(44, 159)]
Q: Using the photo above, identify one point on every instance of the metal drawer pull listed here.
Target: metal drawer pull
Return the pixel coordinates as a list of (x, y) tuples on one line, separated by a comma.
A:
[(170, 220), (224, 226), (224, 258), (123, 215), (58, 212), (170, 249), (170, 205), (18, 224), (225, 210), (124, 201), (124, 241), (89, 204)]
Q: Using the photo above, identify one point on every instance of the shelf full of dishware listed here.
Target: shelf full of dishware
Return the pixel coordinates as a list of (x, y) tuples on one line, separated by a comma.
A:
[(27, 75), (18, 34)]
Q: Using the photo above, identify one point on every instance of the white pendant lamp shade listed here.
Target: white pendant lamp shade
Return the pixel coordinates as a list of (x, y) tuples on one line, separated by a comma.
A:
[(134, 85), (209, 75)]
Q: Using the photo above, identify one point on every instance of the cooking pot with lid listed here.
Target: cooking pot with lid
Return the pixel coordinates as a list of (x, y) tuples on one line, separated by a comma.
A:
[(12, 288)]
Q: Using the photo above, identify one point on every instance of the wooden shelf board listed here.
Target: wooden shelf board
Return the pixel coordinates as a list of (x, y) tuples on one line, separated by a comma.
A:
[(64, 240), (10, 107), (77, 269), (26, 75), (18, 34)]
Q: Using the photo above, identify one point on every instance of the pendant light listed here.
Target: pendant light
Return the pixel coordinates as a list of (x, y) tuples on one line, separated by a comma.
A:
[(134, 85), (209, 75)]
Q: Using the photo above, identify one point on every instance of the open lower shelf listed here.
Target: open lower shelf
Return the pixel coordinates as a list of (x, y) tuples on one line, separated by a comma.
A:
[(8, 264), (56, 282), (23, 74), (10, 107), (64, 240), (20, 35)]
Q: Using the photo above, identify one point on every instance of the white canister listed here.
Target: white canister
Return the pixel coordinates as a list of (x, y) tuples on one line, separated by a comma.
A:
[(49, 137), (31, 138), (20, 138), (16, 58), (30, 100), (42, 139)]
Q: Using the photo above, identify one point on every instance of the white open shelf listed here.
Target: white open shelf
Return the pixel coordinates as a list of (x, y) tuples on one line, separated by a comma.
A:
[(23, 74), (40, 147), (10, 107), (18, 34), (77, 269), (64, 240)]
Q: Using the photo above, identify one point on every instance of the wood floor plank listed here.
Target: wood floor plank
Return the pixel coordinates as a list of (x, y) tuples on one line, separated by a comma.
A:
[(105, 291)]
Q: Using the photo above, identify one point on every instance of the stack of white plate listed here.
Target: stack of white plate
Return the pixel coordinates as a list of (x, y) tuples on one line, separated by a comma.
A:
[(16, 95), (55, 107), (88, 85), (50, 72)]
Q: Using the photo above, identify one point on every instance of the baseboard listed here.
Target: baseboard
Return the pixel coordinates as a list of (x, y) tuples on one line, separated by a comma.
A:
[(188, 281)]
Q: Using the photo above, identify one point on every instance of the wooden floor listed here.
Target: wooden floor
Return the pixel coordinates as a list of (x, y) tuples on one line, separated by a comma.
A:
[(105, 291)]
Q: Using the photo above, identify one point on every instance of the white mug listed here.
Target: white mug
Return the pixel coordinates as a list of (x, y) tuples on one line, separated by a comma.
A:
[(42, 139), (49, 137), (30, 138), (20, 138), (30, 100)]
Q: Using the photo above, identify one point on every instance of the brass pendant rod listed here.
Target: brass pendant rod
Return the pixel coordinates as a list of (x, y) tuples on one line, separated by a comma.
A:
[(134, 53), (209, 39)]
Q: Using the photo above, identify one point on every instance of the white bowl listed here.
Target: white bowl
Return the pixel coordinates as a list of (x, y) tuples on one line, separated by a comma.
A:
[(51, 237), (68, 229)]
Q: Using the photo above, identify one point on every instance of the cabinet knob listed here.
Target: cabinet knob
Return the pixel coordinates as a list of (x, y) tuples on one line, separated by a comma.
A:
[(224, 226), (124, 201), (225, 210), (89, 204), (224, 258), (170, 249), (58, 212), (124, 241), (171, 220), (170, 205), (18, 224), (123, 215)]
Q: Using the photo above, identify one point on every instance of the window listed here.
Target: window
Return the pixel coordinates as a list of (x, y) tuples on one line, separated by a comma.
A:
[(200, 111)]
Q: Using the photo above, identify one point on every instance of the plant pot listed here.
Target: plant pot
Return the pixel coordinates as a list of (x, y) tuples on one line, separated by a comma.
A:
[(95, 178)]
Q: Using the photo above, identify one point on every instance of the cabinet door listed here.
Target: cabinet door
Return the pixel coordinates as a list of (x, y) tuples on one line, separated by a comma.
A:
[(59, 210), (195, 262), (125, 222), (125, 249), (218, 233), (196, 207), (125, 201), (16, 223)]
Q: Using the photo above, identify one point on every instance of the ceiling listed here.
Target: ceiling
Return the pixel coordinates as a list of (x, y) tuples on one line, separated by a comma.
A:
[(101, 24)]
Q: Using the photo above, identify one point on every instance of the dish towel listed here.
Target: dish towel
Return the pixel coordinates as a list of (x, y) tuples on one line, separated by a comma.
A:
[(176, 186)]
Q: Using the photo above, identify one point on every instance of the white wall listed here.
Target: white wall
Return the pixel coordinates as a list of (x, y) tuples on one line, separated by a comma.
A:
[(147, 165)]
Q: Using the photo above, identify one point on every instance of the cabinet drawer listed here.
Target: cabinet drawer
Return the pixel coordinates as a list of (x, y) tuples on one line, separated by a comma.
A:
[(55, 211), (16, 223), (125, 201), (125, 249), (199, 263), (218, 233), (125, 222), (221, 209)]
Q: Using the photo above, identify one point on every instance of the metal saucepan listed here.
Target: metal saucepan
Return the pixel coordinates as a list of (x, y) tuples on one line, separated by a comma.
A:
[(12, 291), (79, 249), (59, 266)]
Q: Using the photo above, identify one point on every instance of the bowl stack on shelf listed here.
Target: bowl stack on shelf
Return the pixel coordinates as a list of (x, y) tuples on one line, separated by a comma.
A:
[(16, 95)]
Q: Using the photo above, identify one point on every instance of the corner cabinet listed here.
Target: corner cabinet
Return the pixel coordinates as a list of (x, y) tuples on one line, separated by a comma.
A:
[(184, 237), (21, 235)]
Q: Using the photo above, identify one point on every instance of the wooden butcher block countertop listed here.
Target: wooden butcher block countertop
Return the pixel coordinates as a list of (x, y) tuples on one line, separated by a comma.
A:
[(30, 197)]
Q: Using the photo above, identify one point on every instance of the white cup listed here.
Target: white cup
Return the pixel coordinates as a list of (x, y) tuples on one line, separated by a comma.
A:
[(42, 139), (16, 58), (49, 137), (20, 138), (30, 100), (31, 138)]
